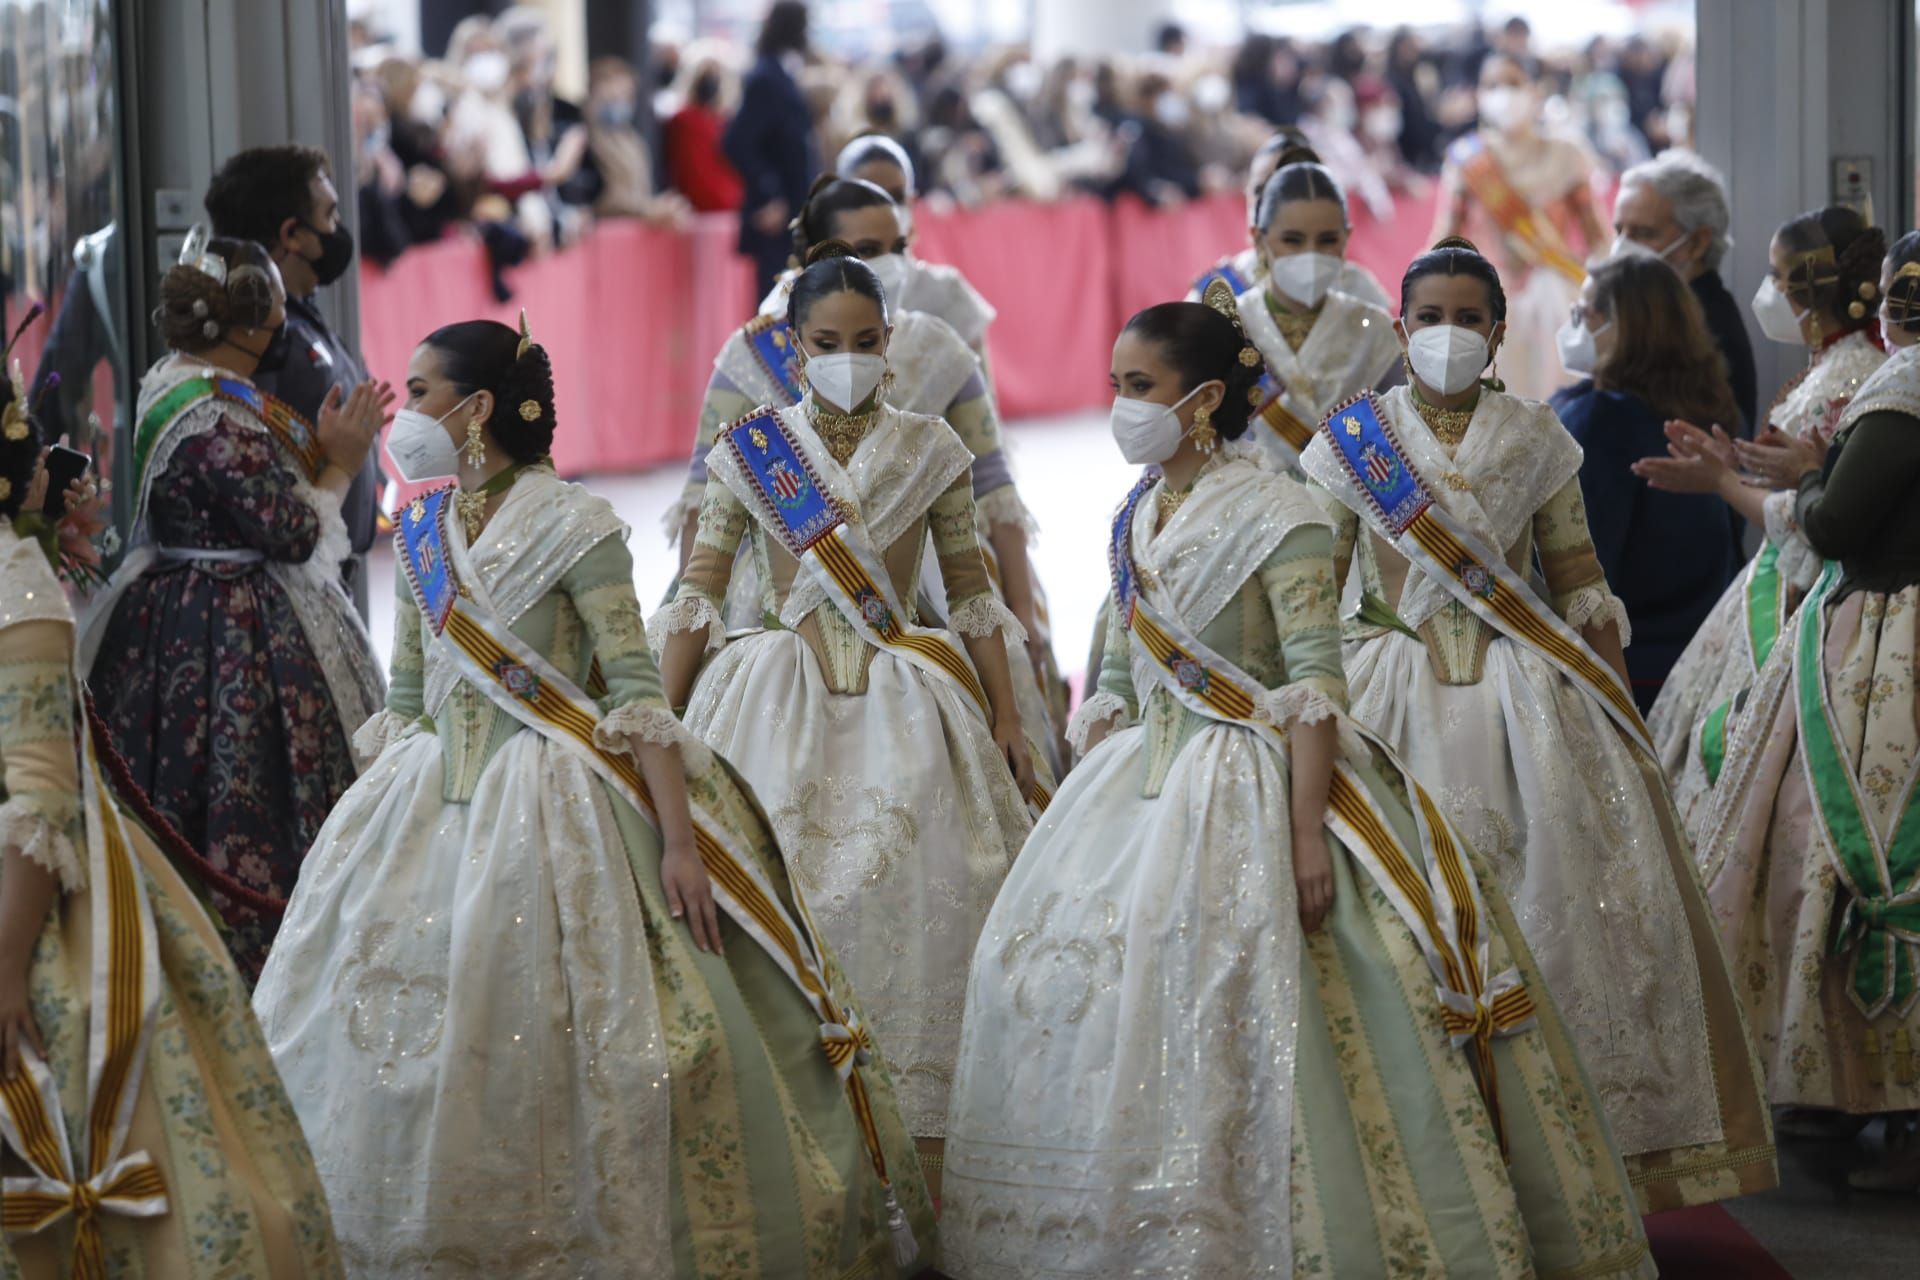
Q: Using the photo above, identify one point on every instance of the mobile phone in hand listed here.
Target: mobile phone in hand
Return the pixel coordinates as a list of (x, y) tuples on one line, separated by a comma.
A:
[(64, 466)]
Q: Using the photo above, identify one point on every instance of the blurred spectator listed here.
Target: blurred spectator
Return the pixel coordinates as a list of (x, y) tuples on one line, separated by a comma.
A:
[(1170, 40), (554, 130), (771, 143), (1266, 79), (1159, 166), (1416, 87), (697, 166), (380, 179), (619, 154)]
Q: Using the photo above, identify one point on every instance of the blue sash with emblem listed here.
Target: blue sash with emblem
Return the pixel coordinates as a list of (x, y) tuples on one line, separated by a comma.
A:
[(770, 339), (1403, 510), (1431, 887)]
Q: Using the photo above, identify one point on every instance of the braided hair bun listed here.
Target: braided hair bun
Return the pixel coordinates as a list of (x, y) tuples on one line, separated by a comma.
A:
[(485, 355), (1204, 344), (197, 309), (1845, 282)]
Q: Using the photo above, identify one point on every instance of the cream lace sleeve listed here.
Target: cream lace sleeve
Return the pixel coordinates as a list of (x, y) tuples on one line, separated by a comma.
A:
[(1346, 531), (1576, 584), (1114, 697), (698, 604), (1298, 581), (634, 709), (40, 801), (975, 420), (972, 608)]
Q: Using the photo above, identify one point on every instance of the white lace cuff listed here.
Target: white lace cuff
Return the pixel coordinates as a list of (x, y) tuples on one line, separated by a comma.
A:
[(26, 825), (688, 613), (1003, 506), (1304, 703), (1779, 513), (648, 722), (382, 729), (1097, 709), (983, 615), (1596, 607)]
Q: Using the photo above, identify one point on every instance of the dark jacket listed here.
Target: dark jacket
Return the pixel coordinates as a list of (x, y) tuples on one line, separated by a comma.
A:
[(770, 143), (1668, 556), (1863, 507), (318, 361), (1727, 323)]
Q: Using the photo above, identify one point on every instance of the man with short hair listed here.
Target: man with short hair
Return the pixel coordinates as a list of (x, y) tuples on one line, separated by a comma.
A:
[(284, 198), (1674, 207)]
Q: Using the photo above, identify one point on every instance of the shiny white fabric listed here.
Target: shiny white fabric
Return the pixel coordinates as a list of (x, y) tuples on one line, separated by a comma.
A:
[(1349, 349), (898, 819)]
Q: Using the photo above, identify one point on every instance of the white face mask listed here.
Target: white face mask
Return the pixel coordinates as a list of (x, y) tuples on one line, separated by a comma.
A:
[(1147, 432), (1578, 352), (1305, 277), (892, 269), (844, 379), (1778, 320), (1446, 357), (1625, 248), (1505, 107), (420, 447)]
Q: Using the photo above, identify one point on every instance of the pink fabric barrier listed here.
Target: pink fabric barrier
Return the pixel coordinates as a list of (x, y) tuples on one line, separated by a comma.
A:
[(633, 316)]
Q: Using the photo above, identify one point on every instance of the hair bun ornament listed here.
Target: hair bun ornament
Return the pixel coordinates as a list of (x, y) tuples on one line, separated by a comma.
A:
[(194, 253), (529, 411), (199, 308), (13, 419), (1219, 296), (1456, 242), (526, 342)]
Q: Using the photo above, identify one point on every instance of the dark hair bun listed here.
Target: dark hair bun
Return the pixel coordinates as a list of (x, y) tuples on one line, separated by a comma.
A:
[(828, 250), (831, 196), (196, 310), (485, 355), (1296, 153), (1204, 346), (1455, 242), (1849, 288), (1455, 256)]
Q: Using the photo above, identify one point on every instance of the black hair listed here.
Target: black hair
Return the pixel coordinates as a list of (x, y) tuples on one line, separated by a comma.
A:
[(257, 190), (1203, 345), (1455, 256), (481, 355), (830, 198), (784, 31), (1849, 288), (19, 459), (1903, 298), (196, 310), (832, 267), (1297, 180)]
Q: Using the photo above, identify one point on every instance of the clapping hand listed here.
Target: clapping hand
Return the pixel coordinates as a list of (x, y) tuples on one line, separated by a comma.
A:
[(1698, 461), (349, 423), (1778, 460)]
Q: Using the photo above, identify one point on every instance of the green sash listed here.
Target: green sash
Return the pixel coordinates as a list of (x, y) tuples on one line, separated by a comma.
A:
[(295, 433), (1766, 614), (1881, 924)]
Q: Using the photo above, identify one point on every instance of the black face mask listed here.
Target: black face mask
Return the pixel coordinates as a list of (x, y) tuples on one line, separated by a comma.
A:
[(336, 252), (273, 356)]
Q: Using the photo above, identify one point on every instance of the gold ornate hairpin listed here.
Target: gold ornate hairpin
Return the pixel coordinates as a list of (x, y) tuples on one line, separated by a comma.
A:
[(1219, 295), (529, 411), (526, 341), (13, 420)]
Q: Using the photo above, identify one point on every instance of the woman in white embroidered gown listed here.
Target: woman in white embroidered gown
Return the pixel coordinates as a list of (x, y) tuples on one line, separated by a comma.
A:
[(1818, 265), (1199, 1038), (1242, 270), (934, 372), (1320, 346), (521, 1038), (1523, 185), (888, 784), (1807, 843), (1573, 818)]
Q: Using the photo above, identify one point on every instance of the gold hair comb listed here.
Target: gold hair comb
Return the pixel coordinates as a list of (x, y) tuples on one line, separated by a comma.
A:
[(526, 336)]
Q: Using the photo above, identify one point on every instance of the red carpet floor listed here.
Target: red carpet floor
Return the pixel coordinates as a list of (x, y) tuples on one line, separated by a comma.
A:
[(1705, 1243)]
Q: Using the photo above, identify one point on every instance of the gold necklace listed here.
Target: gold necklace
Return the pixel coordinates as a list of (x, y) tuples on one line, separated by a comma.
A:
[(1449, 426), (1294, 326), (1171, 500), (840, 432)]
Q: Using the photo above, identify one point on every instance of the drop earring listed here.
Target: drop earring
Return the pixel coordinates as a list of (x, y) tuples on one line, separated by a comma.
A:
[(1205, 438), (476, 447)]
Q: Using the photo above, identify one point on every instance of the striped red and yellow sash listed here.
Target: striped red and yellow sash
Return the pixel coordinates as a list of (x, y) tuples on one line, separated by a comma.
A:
[(1481, 172), (124, 992)]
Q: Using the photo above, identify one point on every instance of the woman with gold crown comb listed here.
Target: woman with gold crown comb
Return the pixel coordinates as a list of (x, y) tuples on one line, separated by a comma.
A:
[(1512, 704), (545, 999), (1808, 841), (1209, 1030)]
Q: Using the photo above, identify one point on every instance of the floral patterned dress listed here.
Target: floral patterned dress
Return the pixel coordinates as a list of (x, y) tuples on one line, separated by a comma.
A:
[(242, 1195), (233, 684)]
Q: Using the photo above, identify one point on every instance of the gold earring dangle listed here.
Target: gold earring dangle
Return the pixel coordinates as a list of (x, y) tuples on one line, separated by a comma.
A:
[(476, 447), (1205, 438)]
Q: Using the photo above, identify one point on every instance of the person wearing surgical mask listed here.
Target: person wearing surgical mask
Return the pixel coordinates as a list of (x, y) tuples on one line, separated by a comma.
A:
[(1640, 347), (1194, 887), (1502, 688), (899, 795), (1820, 295), (935, 373), (1675, 207), (1318, 346), (1515, 152), (563, 921)]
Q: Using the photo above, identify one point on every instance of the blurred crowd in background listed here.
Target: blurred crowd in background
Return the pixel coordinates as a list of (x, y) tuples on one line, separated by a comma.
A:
[(480, 138)]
